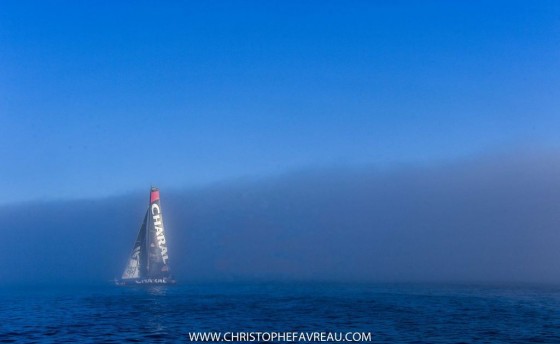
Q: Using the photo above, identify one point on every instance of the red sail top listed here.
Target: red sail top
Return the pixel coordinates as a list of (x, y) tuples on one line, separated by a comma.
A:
[(154, 195)]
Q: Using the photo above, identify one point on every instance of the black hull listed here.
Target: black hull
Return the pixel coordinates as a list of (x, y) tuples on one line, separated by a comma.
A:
[(146, 282)]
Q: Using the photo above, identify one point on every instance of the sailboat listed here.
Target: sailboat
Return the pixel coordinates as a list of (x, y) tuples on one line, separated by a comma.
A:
[(148, 263)]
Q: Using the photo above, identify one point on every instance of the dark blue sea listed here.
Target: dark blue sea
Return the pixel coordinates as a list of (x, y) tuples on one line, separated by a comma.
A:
[(399, 313)]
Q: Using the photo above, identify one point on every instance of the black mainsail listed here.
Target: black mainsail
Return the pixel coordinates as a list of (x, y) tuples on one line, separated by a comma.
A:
[(149, 261)]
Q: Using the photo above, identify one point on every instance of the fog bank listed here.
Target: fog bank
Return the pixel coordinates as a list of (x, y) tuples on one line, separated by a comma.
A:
[(492, 218)]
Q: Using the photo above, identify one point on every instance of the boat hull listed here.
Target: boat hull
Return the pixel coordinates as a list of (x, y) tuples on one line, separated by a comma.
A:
[(145, 281)]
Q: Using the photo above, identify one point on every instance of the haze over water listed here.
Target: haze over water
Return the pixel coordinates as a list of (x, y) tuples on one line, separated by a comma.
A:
[(487, 220)]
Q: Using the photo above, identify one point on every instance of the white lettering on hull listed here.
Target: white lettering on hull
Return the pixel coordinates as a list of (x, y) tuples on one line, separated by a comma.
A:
[(152, 280)]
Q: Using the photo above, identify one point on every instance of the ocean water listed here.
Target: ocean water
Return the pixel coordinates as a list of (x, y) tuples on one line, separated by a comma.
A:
[(400, 313)]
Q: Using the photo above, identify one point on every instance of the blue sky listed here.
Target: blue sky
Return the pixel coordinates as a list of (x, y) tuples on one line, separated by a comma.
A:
[(108, 98)]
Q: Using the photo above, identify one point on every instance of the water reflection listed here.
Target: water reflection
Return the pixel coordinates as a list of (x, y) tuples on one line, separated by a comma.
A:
[(158, 290)]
